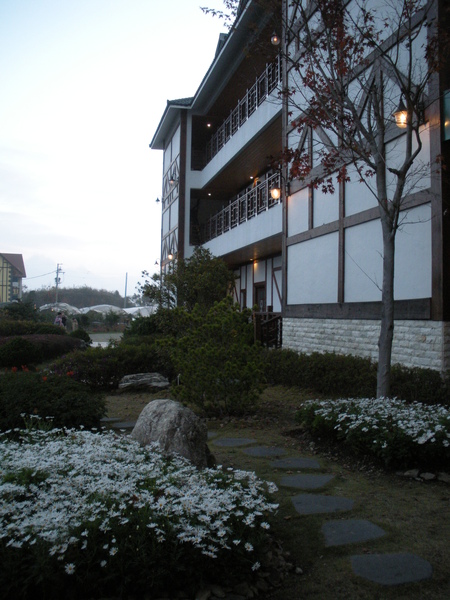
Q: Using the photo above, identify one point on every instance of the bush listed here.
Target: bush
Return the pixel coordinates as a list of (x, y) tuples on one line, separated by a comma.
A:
[(220, 368), (420, 385), (9, 327), (103, 368), (327, 373), (32, 349), (166, 322), (398, 434), (68, 402), (20, 311), (81, 334), (125, 521), (339, 375), (18, 352)]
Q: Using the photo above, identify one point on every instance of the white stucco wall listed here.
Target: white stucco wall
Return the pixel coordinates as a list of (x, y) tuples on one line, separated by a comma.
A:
[(312, 271)]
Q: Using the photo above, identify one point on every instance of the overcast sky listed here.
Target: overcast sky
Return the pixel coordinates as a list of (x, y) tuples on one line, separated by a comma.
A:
[(84, 84)]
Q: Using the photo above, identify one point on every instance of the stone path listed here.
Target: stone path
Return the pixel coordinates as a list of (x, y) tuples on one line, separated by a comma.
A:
[(383, 569)]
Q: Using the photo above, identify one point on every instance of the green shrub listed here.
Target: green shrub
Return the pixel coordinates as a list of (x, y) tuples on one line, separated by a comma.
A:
[(20, 311), (327, 373), (68, 402), (220, 368), (103, 368), (81, 334), (166, 322), (419, 385), (32, 349), (9, 327), (18, 352), (337, 375)]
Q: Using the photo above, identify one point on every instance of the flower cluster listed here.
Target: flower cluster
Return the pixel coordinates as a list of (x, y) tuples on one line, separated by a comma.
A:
[(385, 426), (70, 490)]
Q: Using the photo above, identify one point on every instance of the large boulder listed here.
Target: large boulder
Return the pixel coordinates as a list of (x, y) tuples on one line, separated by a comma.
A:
[(143, 381), (176, 429)]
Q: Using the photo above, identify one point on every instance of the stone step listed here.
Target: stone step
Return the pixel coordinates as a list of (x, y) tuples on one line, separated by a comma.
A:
[(313, 504), (391, 569), (350, 531), (263, 451), (305, 481), (296, 463)]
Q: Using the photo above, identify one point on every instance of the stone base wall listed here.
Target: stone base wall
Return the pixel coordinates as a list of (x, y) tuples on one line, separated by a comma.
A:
[(416, 343)]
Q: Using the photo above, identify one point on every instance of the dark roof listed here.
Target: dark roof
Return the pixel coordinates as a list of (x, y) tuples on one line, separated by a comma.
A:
[(16, 260), (181, 101)]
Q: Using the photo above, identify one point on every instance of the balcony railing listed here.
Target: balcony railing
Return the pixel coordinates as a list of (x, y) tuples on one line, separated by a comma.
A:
[(246, 206), (263, 87)]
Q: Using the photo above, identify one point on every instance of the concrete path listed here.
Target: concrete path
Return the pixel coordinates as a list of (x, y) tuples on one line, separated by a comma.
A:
[(383, 569)]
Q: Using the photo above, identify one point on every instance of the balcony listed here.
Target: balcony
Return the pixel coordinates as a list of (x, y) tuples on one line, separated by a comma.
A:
[(265, 84), (246, 206)]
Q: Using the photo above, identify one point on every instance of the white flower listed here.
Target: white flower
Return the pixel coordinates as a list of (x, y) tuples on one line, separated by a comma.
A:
[(256, 566), (69, 568), (248, 547)]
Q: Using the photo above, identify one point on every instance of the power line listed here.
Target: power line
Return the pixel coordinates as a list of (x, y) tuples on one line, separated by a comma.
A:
[(44, 275)]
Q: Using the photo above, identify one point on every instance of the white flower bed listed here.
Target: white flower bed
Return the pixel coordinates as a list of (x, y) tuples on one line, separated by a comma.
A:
[(420, 422), (53, 484)]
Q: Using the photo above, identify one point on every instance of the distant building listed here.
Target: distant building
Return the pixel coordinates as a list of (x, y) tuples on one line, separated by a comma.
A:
[(12, 271), (307, 257)]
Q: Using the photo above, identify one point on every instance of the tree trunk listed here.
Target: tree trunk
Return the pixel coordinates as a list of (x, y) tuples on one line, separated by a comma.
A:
[(387, 311)]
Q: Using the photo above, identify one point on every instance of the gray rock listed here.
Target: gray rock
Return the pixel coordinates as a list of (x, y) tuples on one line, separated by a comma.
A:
[(427, 476), (411, 473), (144, 381), (176, 429), (445, 477)]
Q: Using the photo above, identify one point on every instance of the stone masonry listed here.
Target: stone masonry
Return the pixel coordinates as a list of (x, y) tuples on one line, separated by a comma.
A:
[(416, 343)]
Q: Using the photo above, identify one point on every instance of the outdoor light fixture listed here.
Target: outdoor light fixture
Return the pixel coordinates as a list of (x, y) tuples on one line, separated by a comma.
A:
[(157, 200), (275, 192), (170, 256), (401, 116), (172, 179), (275, 40)]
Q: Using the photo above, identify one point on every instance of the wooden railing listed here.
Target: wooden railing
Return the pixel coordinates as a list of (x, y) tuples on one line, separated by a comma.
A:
[(268, 329)]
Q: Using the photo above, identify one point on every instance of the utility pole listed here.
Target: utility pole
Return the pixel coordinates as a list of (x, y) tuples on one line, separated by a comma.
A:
[(57, 280)]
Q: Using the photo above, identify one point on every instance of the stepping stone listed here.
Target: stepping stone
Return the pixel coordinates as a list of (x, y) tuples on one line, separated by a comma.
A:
[(124, 425), (231, 442), (296, 463), (391, 569), (212, 434), (312, 504), (305, 482), (351, 531), (262, 451)]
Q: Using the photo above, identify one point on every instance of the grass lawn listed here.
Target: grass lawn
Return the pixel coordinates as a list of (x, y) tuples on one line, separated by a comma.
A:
[(415, 514)]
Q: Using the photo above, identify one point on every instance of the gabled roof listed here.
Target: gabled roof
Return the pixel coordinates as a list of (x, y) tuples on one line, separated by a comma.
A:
[(229, 54), (16, 260)]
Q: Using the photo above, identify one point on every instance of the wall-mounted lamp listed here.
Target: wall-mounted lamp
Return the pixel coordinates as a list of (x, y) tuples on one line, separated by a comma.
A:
[(157, 200), (170, 256), (172, 180), (275, 39), (275, 192), (401, 115)]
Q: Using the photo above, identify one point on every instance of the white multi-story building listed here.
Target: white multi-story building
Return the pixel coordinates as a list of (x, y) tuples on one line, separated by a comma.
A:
[(312, 258)]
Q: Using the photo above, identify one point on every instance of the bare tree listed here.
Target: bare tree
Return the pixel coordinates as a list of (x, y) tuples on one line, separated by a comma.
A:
[(351, 66)]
